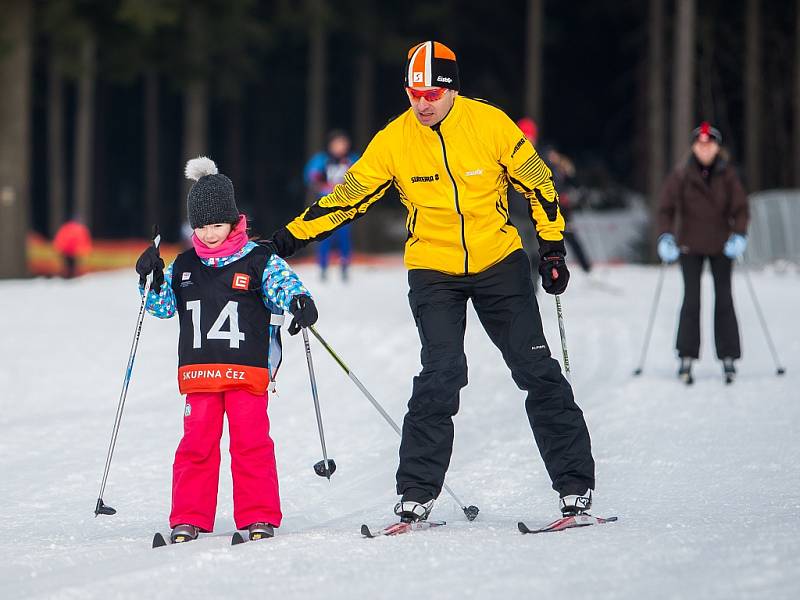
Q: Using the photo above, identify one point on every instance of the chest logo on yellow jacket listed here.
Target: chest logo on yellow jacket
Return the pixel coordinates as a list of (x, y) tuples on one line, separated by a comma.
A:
[(425, 178)]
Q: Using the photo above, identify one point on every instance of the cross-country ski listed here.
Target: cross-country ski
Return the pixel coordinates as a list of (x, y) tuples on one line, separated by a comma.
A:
[(399, 528), (566, 523)]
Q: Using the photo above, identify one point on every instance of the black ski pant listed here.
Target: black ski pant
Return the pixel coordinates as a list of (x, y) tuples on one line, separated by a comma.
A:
[(505, 302), (726, 328)]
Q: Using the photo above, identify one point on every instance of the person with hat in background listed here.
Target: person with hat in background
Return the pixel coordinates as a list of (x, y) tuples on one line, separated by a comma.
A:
[(322, 173), (452, 159), (703, 215), (229, 294)]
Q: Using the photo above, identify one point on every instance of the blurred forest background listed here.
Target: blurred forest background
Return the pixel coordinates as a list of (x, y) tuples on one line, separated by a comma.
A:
[(103, 101)]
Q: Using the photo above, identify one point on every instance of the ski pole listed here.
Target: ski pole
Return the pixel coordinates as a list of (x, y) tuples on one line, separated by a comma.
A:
[(653, 308), (325, 467), (101, 508), (469, 511), (779, 370), (563, 335)]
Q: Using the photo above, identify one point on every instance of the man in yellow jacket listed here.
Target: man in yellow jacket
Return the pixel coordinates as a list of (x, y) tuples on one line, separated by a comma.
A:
[(451, 158)]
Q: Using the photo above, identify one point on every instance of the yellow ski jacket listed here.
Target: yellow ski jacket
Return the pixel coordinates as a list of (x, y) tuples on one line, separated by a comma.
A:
[(453, 179)]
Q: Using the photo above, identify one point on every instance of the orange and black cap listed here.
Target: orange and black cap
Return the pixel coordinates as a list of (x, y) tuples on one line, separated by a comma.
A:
[(431, 64)]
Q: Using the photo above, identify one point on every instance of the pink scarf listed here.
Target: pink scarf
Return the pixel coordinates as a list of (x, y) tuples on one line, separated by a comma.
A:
[(232, 244)]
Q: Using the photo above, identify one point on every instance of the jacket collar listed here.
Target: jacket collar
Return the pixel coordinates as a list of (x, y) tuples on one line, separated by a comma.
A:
[(450, 121), (694, 167)]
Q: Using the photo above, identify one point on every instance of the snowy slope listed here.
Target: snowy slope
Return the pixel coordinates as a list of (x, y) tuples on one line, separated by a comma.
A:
[(705, 480)]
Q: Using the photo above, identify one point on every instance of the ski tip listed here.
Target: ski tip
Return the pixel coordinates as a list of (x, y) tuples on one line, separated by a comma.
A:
[(237, 539), (159, 541), (523, 528), (365, 531)]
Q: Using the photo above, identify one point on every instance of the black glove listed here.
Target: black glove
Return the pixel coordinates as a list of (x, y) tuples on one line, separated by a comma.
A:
[(554, 272), (151, 262), (304, 311), (269, 245)]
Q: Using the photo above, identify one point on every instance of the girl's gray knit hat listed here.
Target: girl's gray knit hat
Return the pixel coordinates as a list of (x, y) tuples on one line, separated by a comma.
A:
[(211, 199)]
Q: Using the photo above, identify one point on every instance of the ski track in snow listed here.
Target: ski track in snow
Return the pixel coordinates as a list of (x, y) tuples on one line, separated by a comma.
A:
[(704, 479)]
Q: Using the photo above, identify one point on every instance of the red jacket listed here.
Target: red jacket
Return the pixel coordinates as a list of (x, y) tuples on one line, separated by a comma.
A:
[(73, 239)]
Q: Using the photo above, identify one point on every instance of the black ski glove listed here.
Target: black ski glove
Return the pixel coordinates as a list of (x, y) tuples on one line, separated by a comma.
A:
[(304, 311), (554, 272), (151, 262), (269, 245)]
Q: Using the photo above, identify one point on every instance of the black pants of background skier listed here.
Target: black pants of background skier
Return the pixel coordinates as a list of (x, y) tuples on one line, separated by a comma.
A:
[(504, 299), (726, 327)]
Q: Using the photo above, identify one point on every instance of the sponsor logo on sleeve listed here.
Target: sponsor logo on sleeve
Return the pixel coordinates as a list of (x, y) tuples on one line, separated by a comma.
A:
[(518, 146)]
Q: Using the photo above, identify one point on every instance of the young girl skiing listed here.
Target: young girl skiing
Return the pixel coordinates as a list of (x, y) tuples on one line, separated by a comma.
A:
[(229, 293)]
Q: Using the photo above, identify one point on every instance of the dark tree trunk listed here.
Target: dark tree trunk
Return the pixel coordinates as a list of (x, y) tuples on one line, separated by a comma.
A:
[(753, 81), (656, 116), (151, 147), (533, 60), (195, 99), (796, 95), (195, 128), (233, 143), (364, 106), (683, 78), (316, 81), (84, 133), (57, 185), (15, 134)]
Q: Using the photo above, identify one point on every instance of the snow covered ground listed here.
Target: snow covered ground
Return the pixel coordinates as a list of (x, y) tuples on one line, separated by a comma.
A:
[(705, 479)]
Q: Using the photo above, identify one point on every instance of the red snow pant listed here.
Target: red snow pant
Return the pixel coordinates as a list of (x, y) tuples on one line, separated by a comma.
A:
[(195, 473)]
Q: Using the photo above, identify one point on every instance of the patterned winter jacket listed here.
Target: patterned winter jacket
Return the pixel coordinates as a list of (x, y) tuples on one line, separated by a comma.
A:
[(279, 285)]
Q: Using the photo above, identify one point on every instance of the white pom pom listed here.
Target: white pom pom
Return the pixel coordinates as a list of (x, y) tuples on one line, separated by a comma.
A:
[(200, 167)]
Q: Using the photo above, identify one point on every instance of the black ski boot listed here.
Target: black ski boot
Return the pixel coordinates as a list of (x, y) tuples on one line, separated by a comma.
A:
[(729, 370), (685, 370), (184, 533), (411, 511), (259, 531)]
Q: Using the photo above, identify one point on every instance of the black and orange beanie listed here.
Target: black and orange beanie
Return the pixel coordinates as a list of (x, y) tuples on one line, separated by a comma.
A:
[(431, 64)]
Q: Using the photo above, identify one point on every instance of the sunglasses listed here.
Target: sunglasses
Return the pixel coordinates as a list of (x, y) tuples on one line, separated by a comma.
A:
[(429, 95)]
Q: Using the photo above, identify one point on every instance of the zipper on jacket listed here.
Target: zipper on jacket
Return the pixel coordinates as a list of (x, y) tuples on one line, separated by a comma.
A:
[(455, 190)]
